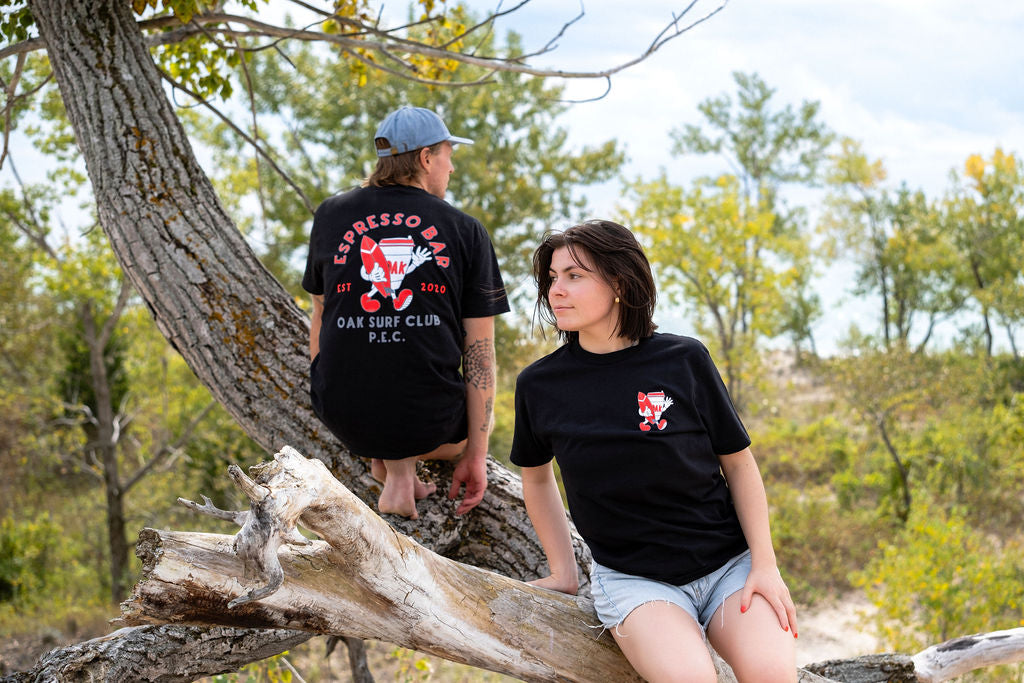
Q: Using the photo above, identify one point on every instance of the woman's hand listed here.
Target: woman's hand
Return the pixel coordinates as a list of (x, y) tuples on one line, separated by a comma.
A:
[(554, 583), (767, 582)]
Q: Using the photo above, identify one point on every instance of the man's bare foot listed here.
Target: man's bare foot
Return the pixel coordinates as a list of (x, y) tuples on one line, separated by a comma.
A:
[(377, 470), (421, 489), (397, 499)]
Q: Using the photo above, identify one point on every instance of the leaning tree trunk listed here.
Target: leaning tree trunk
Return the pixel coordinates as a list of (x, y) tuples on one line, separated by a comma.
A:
[(238, 329)]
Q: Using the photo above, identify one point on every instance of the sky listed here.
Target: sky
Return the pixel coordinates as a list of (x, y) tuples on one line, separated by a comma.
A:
[(922, 84)]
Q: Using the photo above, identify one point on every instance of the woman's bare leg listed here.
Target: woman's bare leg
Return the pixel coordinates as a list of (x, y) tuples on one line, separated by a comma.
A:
[(665, 645), (753, 643)]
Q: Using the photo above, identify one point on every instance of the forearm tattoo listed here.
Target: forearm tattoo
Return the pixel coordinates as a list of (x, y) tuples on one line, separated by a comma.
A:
[(488, 408), (478, 364)]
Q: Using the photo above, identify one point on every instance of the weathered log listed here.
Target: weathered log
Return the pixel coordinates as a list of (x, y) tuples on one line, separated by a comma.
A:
[(960, 655), (366, 580), (141, 654), (891, 668)]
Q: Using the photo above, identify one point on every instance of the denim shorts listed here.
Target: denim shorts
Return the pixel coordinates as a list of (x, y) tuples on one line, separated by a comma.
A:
[(617, 594)]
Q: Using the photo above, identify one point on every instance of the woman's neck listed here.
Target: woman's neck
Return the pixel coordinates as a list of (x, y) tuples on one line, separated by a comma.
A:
[(592, 344)]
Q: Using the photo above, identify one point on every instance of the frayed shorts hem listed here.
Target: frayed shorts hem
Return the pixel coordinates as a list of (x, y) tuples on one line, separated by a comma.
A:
[(617, 594)]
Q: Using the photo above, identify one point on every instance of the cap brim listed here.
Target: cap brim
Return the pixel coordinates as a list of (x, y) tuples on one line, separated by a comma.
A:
[(463, 141)]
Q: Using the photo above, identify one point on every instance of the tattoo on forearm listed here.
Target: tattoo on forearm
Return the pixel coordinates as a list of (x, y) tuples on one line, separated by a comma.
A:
[(488, 407), (478, 364)]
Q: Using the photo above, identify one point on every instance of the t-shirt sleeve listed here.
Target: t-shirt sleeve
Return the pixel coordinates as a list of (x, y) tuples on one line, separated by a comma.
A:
[(483, 292), (313, 278), (527, 449), (715, 407)]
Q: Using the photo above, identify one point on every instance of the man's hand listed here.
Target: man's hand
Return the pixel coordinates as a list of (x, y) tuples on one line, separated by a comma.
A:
[(470, 471)]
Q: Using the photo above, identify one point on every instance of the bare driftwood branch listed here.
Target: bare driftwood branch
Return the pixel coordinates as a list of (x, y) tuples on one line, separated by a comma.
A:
[(366, 580), (960, 655), (363, 580)]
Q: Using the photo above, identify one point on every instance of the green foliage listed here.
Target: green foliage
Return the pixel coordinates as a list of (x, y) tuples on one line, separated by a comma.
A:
[(941, 578), (40, 571), (28, 554), (270, 670), (16, 20), (769, 147), (820, 540), (984, 213), (728, 247), (903, 252)]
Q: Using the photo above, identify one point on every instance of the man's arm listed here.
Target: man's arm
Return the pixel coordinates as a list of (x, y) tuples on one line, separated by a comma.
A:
[(480, 373), (314, 327)]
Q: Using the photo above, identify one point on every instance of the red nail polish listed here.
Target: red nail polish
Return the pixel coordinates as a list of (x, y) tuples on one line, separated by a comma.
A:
[(742, 609)]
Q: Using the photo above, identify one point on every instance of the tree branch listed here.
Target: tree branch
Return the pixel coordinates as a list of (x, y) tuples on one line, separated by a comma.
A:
[(387, 41), (245, 136)]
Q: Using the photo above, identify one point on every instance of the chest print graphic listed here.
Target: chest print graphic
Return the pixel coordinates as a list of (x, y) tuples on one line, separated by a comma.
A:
[(385, 265), (652, 405)]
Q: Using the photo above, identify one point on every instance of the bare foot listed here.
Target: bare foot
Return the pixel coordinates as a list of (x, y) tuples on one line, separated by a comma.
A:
[(397, 500), (421, 489), (377, 470), (399, 494)]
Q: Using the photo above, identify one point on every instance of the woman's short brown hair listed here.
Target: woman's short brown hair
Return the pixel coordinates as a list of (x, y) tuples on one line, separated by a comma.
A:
[(400, 169), (619, 260)]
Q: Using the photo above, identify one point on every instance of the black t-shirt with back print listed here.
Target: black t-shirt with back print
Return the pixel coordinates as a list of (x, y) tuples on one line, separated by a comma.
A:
[(637, 434), (399, 270)]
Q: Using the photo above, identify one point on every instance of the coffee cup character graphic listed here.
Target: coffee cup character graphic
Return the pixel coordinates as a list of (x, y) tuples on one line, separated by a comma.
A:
[(652, 405), (385, 265)]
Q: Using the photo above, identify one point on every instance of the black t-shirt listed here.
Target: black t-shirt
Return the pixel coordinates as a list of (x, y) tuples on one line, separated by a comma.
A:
[(637, 434), (399, 269)]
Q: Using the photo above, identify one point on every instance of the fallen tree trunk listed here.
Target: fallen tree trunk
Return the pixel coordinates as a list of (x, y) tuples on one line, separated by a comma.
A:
[(363, 580), (366, 580), (141, 654)]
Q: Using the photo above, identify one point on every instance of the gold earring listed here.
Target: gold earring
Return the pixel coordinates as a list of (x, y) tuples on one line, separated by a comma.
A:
[(616, 299)]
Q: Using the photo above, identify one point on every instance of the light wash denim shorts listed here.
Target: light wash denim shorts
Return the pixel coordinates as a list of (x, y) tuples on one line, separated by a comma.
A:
[(617, 594)]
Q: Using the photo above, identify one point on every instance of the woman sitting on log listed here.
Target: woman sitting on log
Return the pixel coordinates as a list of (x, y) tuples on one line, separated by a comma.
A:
[(657, 471)]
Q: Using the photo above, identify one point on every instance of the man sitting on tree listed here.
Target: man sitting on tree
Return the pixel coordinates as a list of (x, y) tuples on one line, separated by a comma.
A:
[(405, 289)]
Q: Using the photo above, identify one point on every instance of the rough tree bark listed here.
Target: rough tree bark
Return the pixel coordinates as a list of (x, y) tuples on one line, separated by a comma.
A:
[(238, 329), (140, 654)]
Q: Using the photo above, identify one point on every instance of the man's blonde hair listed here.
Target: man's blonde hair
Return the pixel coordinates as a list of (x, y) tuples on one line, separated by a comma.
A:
[(400, 169)]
